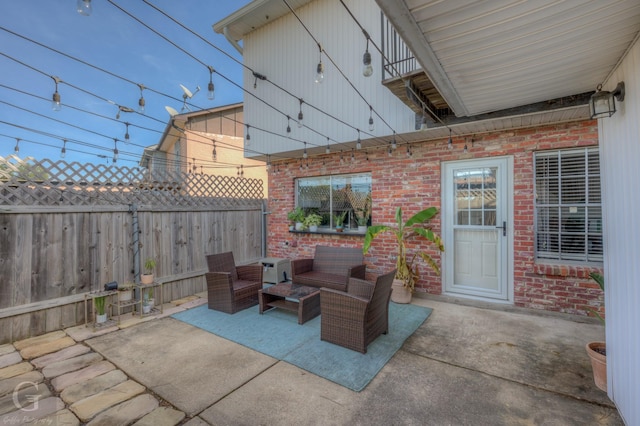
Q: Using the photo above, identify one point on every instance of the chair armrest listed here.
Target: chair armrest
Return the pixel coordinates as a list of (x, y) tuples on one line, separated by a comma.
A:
[(338, 304), (360, 288), (249, 272), (357, 271), (218, 279), (300, 266)]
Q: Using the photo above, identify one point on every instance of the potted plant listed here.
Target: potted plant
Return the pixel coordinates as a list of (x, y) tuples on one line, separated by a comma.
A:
[(313, 221), (339, 220), (597, 351), (149, 266), (363, 214), (126, 291), (101, 314), (296, 216), (407, 273)]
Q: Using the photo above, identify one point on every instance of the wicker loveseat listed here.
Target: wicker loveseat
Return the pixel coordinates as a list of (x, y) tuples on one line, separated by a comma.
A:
[(330, 267)]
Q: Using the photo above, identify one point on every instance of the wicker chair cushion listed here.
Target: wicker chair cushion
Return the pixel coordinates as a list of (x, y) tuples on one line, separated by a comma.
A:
[(336, 260), (322, 279)]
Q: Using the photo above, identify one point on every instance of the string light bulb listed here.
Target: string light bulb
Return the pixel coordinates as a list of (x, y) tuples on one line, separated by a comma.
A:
[(394, 144), (409, 152), (300, 115), (304, 153), (367, 68), (359, 142), (63, 151), (450, 143), (126, 134), (115, 151), (288, 125), (248, 138), (320, 68), (83, 7), (465, 150), (390, 151), (55, 100), (328, 148), (353, 156), (16, 149), (141, 101), (211, 95), (268, 165), (371, 125), (214, 154)]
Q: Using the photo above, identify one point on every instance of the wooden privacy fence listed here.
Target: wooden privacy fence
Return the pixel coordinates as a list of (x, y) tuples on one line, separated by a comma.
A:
[(69, 228)]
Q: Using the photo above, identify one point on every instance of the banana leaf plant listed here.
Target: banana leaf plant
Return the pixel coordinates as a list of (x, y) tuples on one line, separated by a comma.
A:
[(413, 228)]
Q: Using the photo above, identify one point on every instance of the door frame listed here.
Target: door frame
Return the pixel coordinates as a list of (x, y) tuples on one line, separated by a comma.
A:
[(447, 197)]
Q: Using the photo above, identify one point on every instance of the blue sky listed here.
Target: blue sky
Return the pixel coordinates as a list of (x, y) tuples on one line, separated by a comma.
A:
[(111, 40)]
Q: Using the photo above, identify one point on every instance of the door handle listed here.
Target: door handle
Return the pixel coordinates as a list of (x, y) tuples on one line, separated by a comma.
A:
[(504, 228)]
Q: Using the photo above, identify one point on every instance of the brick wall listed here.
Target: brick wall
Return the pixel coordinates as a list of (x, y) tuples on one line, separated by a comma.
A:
[(414, 184)]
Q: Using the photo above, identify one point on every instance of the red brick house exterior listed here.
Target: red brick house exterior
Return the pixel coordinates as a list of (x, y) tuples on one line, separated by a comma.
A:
[(414, 184)]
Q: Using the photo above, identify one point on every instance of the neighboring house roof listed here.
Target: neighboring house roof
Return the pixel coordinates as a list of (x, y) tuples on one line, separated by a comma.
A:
[(484, 57)]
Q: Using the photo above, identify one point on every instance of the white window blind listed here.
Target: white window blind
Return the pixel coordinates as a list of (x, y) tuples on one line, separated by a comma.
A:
[(568, 205)]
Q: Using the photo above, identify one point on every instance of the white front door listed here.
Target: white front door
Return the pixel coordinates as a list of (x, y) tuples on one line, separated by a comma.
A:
[(478, 226)]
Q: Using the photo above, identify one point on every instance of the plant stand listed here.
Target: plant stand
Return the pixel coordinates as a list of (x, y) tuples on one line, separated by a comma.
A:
[(144, 290), (90, 298)]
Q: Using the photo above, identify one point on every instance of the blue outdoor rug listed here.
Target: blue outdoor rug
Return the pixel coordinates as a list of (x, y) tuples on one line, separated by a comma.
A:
[(278, 334)]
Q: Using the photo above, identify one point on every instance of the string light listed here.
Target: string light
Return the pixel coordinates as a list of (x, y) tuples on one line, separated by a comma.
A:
[(288, 125), (409, 152), (390, 151), (63, 151), (115, 151), (371, 125), (300, 115), (126, 134), (211, 95), (353, 156), (16, 149), (328, 148), (450, 143), (359, 143), (304, 153), (214, 154), (465, 150), (268, 166), (141, 101), (341, 158), (55, 102), (320, 68), (248, 138), (195, 168), (367, 68), (394, 144)]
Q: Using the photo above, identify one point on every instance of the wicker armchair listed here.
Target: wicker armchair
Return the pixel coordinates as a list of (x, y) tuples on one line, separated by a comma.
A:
[(232, 288), (356, 318)]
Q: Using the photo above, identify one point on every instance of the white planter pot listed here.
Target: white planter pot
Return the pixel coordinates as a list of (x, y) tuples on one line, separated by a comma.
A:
[(101, 318), (400, 293), (299, 226), (151, 303), (292, 227), (146, 309), (362, 229), (313, 228)]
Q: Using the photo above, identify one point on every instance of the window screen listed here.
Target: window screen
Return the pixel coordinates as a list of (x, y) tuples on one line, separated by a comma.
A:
[(568, 205)]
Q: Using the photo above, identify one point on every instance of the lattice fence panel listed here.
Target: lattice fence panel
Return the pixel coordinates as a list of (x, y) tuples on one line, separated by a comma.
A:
[(53, 183)]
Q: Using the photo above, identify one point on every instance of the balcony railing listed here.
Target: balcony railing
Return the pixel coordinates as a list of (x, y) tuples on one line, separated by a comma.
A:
[(398, 58)]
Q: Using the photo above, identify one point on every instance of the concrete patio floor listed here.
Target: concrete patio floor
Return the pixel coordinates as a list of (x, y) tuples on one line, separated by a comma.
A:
[(468, 364)]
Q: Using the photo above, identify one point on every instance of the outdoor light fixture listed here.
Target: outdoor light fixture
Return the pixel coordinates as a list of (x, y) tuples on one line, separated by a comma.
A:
[(304, 154), (390, 151), (214, 154), (211, 95), (603, 103), (371, 125), (248, 138), (84, 7), (63, 151), (394, 144), (258, 76), (55, 102), (141, 101), (16, 149), (359, 142), (300, 115), (328, 148), (409, 152), (450, 143), (288, 125)]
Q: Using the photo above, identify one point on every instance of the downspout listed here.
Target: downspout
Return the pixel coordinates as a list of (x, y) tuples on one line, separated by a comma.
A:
[(230, 39), (264, 227), (133, 209)]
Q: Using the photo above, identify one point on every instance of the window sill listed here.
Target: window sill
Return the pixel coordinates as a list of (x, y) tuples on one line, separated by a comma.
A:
[(560, 270), (346, 232)]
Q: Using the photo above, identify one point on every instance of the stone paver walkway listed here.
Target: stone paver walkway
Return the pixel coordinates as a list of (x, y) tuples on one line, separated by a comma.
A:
[(56, 378)]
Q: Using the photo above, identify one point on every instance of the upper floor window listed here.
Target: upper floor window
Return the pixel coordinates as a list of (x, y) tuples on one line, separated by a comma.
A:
[(332, 197), (568, 205)]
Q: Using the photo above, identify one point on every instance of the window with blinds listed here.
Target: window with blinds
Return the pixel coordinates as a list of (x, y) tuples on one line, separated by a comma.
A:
[(568, 213)]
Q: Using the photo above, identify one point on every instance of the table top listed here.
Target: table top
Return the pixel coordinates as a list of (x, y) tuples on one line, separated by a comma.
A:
[(290, 290)]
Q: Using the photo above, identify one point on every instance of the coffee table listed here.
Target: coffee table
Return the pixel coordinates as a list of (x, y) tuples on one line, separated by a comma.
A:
[(292, 297)]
